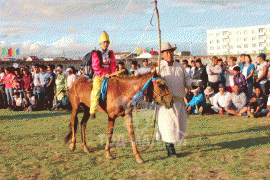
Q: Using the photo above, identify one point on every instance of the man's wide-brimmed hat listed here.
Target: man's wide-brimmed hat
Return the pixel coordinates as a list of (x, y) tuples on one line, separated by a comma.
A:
[(167, 47)]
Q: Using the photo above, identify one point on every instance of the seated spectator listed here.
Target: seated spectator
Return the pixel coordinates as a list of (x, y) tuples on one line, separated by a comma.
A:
[(196, 102), (236, 102), (209, 96), (268, 106), (257, 105), (17, 102), (63, 103), (189, 96), (239, 79), (121, 66), (221, 100), (29, 101)]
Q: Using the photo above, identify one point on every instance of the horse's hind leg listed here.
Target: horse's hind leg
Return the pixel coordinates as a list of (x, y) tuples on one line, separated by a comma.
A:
[(109, 137), (83, 125), (73, 126), (129, 124)]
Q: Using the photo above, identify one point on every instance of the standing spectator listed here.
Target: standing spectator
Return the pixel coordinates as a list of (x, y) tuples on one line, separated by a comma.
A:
[(214, 71), (221, 100), (27, 82), (248, 71), (237, 102), (45, 79), (262, 69), (7, 80), (3, 103), (200, 73), (145, 69), (186, 66), (193, 68), (70, 78), (257, 105), (121, 66), (17, 79), (229, 78), (242, 61), (60, 82), (50, 88), (17, 105), (29, 101), (222, 75), (239, 79), (36, 89), (134, 68)]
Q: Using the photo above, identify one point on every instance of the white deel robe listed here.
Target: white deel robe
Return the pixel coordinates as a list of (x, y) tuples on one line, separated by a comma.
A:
[(171, 123)]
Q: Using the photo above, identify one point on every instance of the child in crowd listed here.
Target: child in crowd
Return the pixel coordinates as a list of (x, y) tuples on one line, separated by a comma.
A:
[(17, 102), (29, 102), (239, 79), (63, 103)]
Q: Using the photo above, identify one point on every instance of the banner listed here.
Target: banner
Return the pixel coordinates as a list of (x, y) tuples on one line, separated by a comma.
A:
[(4, 51), (14, 52), (10, 52), (152, 51), (18, 51), (139, 51)]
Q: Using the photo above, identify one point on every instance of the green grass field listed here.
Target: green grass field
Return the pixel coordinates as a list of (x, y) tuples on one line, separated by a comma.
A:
[(217, 147)]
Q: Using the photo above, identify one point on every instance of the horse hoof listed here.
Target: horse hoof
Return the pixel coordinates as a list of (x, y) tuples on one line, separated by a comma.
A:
[(109, 156), (139, 160), (72, 147), (86, 149)]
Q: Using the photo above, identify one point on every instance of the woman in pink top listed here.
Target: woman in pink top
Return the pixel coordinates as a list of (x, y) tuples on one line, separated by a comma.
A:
[(7, 80)]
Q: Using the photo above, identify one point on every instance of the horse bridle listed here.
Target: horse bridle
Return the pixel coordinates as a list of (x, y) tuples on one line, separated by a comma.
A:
[(160, 96)]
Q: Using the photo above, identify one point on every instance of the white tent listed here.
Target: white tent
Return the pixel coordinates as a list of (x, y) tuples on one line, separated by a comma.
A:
[(145, 55)]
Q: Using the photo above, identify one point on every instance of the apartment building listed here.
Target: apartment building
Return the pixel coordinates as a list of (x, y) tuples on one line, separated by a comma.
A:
[(249, 40)]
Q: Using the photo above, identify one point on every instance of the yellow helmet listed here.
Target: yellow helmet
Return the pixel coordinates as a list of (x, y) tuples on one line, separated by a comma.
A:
[(104, 37)]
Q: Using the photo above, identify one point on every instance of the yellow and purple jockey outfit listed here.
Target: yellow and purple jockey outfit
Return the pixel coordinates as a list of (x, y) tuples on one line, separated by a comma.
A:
[(108, 66)]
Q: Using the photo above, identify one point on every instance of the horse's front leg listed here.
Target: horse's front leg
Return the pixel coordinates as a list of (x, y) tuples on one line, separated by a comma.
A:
[(83, 125), (129, 124), (109, 138)]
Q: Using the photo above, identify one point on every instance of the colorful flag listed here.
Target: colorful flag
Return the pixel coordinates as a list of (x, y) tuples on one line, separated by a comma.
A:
[(10, 52), (152, 51), (139, 51), (4, 51), (14, 52), (18, 51), (0, 52)]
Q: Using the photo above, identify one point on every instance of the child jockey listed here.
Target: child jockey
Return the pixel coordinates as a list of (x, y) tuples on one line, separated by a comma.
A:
[(102, 69)]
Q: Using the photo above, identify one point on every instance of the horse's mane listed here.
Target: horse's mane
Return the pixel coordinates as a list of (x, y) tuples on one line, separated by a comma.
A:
[(132, 77)]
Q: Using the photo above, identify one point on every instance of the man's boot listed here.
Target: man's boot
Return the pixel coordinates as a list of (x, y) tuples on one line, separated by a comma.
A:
[(168, 148), (172, 149)]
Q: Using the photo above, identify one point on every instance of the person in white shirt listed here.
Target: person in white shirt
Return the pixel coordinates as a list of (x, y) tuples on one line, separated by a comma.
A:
[(237, 102), (71, 77), (17, 102), (145, 69), (262, 69), (268, 106), (214, 71), (193, 68), (221, 100), (229, 78), (185, 64)]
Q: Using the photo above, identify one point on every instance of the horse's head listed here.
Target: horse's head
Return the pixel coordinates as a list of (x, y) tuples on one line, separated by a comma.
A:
[(161, 93)]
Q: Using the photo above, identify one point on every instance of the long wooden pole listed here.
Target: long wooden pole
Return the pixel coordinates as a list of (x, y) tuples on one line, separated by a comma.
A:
[(159, 32)]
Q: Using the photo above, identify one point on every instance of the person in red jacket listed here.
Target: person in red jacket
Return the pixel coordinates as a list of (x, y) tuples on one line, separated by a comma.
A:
[(102, 69)]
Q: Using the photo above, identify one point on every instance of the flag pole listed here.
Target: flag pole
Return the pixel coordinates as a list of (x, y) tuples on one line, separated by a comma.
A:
[(159, 32)]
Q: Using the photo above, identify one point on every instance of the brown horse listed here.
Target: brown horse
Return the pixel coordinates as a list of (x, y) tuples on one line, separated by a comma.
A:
[(119, 97)]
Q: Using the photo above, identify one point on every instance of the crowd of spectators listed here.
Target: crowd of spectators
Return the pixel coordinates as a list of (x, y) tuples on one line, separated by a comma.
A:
[(230, 87), (223, 86)]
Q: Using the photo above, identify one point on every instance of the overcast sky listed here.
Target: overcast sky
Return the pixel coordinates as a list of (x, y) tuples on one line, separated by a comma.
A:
[(46, 28)]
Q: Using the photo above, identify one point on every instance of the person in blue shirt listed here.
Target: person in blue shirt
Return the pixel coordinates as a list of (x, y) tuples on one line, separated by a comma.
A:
[(196, 102), (44, 80)]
